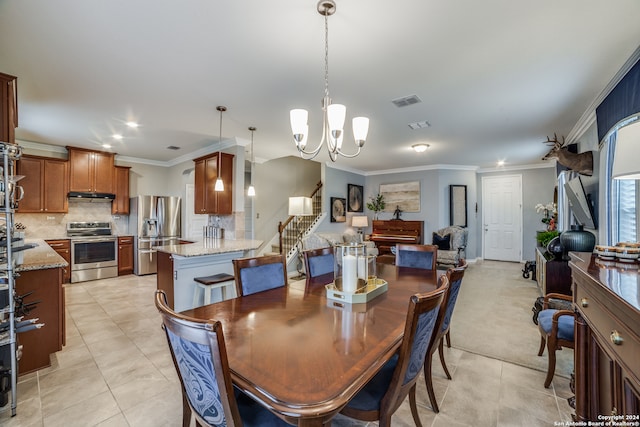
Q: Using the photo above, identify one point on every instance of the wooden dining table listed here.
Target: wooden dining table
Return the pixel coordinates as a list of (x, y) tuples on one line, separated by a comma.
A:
[(304, 356)]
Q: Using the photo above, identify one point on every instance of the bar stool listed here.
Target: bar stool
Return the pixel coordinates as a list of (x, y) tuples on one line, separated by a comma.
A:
[(209, 283)]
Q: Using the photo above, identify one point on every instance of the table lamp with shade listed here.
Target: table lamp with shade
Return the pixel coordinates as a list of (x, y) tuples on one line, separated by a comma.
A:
[(360, 222), (299, 207), (625, 159)]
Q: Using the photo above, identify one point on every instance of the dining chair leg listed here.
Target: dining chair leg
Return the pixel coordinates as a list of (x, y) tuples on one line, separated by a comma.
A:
[(543, 342), (414, 407), (186, 412), (442, 361), (448, 339), (429, 382), (551, 349)]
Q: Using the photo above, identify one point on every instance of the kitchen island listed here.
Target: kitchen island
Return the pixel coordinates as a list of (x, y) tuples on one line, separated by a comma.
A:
[(178, 265), (40, 282)]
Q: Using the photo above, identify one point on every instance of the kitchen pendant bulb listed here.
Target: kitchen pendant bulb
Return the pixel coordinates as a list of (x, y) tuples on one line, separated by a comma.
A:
[(251, 191), (219, 185)]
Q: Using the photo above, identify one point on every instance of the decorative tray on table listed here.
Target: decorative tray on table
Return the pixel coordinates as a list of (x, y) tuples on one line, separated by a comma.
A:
[(367, 292)]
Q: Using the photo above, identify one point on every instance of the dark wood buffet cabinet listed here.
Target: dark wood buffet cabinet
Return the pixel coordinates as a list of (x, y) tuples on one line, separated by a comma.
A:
[(606, 296)]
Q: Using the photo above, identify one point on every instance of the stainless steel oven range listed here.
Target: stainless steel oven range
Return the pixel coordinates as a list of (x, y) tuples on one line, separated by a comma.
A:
[(94, 251)]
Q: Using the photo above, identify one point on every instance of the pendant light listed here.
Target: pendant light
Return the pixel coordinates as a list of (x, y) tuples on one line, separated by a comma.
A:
[(219, 183), (251, 191)]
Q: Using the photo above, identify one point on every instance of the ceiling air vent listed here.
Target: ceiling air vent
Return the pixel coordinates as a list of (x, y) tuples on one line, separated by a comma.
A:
[(419, 125), (406, 100), (173, 147)]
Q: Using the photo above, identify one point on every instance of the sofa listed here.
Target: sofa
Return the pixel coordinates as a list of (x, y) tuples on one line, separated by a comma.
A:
[(451, 242)]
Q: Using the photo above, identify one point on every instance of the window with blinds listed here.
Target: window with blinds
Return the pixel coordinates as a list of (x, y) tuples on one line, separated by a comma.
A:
[(624, 211)]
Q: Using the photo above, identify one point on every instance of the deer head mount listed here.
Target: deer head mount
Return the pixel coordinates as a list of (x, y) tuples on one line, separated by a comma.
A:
[(579, 162)]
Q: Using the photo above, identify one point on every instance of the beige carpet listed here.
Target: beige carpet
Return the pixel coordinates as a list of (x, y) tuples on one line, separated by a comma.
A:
[(493, 317)]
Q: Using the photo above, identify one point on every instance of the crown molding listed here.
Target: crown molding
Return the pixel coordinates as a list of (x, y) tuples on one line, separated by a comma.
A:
[(550, 164)]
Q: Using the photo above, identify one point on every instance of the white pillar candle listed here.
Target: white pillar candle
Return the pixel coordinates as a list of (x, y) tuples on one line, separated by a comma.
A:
[(362, 268), (349, 273)]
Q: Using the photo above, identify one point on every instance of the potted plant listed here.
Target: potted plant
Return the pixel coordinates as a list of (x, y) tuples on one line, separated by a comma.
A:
[(544, 237), (376, 204)]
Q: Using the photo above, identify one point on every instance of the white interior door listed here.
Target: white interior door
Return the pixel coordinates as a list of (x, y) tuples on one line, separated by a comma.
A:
[(502, 217)]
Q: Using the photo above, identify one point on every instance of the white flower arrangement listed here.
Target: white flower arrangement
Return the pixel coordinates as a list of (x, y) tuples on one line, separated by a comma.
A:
[(549, 210)]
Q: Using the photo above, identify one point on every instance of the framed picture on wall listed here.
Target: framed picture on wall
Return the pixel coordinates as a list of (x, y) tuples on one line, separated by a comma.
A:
[(458, 205), (338, 209), (355, 198)]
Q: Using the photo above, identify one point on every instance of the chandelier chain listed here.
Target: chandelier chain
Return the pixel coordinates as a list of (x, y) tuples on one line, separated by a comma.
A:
[(326, 56)]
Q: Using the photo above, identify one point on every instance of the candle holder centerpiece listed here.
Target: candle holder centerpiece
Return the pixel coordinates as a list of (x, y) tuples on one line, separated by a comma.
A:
[(350, 267), (354, 280)]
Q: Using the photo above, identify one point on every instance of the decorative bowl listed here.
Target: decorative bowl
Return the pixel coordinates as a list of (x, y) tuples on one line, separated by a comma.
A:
[(627, 253), (606, 252)]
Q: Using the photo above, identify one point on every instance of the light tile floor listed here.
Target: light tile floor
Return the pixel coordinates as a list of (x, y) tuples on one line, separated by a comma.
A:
[(116, 370)]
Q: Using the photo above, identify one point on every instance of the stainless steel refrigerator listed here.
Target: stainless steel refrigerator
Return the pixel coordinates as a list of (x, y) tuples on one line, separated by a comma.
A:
[(155, 221)]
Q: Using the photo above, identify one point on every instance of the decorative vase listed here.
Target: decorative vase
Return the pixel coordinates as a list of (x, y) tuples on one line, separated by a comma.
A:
[(577, 240), (555, 248)]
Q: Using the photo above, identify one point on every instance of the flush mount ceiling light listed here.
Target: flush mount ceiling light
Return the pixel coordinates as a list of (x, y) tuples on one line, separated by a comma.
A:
[(251, 191), (219, 183), (333, 114), (420, 148)]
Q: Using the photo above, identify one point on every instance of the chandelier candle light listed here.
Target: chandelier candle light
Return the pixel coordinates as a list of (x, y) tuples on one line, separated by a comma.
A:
[(333, 114)]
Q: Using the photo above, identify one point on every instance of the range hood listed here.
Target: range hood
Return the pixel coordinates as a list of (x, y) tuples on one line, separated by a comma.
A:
[(80, 196)]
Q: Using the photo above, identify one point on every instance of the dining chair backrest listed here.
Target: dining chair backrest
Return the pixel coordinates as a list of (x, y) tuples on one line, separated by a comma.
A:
[(455, 276), (319, 262), (200, 358), (259, 274), (416, 256), (397, 378)]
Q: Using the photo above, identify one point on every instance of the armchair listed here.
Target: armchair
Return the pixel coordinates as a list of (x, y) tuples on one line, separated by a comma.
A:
[(451, 242)]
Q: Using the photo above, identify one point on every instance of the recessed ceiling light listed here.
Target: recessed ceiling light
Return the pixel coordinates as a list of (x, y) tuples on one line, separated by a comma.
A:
[(132, 124), (420, 148), (117, 136), (106, 146), (500, 162), (419, 125)]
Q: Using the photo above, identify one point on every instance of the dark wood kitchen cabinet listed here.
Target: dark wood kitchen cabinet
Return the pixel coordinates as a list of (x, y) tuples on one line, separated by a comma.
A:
[(8, 108), (63, 248), (206, 199), (125, 255), (607, 366), (45, 184), (120, 204), (90, 171), (44, 286)]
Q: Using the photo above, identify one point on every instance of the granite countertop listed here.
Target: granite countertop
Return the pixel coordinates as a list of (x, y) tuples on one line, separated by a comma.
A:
[(40, 257), (210, 247)]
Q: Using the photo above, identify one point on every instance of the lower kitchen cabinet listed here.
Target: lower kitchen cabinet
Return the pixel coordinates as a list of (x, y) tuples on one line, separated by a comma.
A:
[(43, 287), (63, 248), (125, 255)]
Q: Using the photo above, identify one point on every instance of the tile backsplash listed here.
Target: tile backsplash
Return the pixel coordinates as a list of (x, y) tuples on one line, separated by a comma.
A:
[(54, 225)]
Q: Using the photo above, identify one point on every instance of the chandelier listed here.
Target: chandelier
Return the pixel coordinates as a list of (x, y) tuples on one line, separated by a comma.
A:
[(333, 114)]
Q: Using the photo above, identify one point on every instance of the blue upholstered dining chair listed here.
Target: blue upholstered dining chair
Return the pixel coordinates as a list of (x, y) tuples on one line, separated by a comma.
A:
[(200, 358), (416, 256), (319, 262), (384, 394), (454, 275), (259, 273), (556, 330)]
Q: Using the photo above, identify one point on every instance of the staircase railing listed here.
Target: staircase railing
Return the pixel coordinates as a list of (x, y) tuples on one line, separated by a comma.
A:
[(289, 229)]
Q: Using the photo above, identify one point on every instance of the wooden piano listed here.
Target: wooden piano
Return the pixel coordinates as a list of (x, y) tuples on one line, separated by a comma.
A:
[(387, 234)]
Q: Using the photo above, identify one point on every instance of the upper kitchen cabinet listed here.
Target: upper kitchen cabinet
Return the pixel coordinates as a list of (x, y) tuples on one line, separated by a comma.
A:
[(91, 171), (207, 200), (120, 204), (8, 108), (45, 184)]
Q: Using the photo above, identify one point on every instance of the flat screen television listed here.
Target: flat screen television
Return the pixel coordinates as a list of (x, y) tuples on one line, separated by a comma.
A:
[(580, 204)]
